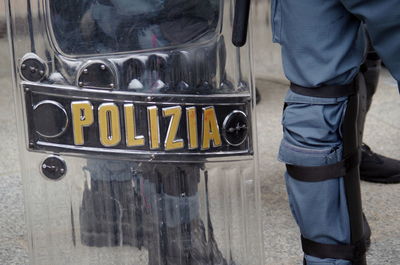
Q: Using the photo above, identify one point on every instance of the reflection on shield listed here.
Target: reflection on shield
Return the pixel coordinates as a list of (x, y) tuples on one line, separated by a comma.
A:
[(90, 27), (151, 206)]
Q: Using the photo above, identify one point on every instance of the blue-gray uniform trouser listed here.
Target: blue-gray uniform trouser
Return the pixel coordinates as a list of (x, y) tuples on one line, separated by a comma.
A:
[(323, 43)]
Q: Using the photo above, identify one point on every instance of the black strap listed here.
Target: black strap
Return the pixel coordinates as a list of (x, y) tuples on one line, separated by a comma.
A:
[(321, 173), (325, 91), (327, 251), (354, 253)]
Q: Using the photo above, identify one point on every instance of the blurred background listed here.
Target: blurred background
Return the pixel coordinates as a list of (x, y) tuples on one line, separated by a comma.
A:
[(281, 238)]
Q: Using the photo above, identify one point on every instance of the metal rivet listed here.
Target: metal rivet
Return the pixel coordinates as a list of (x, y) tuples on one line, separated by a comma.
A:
[(80, 83), (85, 71), (103, 67), (112, 85), (54, 168), (33, 68), (235, 128)]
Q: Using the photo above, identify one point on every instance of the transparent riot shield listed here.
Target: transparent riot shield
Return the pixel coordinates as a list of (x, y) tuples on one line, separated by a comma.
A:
[(137, 132)]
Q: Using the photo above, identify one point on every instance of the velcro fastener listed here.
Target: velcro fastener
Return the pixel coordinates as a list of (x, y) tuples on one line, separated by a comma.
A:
[(321, 173)]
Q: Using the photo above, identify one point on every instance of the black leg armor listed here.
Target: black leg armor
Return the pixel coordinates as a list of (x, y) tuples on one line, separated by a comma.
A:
[(348, 168)]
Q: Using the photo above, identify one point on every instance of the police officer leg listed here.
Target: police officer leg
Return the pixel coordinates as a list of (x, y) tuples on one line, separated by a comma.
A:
[(375, 167), (316, 173), (382, 22), (371, 69), (322, 48)]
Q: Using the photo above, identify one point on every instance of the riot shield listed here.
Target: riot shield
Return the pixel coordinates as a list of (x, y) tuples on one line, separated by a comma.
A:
[(137, 133)]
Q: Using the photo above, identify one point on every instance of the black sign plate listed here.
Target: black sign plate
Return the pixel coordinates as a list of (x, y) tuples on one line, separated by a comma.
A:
[(69, 119)]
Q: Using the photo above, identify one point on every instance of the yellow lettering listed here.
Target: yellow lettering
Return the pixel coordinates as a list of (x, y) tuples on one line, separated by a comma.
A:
[(171, 143), (109, 125), (210, 129), (132, 139), (191, 123), (82, 116), (154, 127)]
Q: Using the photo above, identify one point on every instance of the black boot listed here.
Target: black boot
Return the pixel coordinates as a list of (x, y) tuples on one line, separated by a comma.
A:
[(378, 168)]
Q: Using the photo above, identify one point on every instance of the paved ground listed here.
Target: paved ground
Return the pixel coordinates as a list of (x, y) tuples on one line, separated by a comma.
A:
[(381, 202)]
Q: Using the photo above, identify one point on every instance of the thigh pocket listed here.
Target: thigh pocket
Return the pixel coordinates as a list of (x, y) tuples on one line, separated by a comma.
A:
[(276, 20)]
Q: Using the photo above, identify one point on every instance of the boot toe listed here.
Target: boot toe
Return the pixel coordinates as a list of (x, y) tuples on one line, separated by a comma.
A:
[(378, 168)]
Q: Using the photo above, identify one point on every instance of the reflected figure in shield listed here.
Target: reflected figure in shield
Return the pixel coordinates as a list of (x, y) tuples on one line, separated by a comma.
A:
[(101, 26), (109, 26), (151, 206), (146, 205)]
